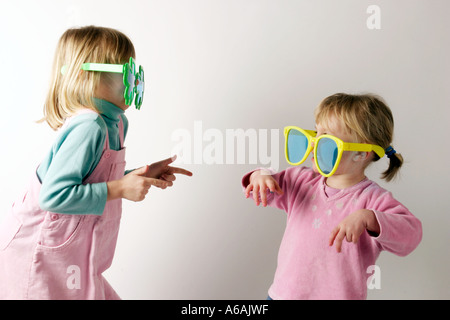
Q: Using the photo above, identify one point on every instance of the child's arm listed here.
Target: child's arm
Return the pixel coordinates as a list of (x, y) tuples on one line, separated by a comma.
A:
[(135, 185), (275, 189), (390, 224), (73, 157), (400, 231)]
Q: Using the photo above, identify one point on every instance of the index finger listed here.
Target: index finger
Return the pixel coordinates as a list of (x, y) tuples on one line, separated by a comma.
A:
[(180, 170), (263, 195), (333, 235), (248, 189), (339, 238)]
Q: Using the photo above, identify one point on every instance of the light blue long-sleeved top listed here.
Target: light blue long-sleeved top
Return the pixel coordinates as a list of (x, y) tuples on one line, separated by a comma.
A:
[(74, 156)]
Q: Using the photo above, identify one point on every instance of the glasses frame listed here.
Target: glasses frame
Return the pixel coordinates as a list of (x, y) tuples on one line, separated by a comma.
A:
[(341, 145), (131, 92)]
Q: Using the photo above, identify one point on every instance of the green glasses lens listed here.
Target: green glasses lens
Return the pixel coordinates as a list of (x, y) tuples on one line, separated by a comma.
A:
[(134, 84), (140, 86)]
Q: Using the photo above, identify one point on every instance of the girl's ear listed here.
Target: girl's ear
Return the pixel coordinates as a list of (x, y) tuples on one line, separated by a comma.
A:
[(361, 156)]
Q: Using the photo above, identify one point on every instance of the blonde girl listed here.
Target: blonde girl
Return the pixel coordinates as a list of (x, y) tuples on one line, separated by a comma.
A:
[(60, 234), (334, 203)]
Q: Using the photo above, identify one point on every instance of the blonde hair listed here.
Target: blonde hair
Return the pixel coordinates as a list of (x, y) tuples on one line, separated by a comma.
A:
[(367, 118), (75, 89)]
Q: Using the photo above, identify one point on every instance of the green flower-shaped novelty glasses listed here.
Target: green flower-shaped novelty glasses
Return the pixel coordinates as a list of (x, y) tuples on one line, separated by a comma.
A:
[(132, 80)]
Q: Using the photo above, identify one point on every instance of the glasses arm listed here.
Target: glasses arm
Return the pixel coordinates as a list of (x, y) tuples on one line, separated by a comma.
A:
[(364, 147), (312, 133), (102, 67)]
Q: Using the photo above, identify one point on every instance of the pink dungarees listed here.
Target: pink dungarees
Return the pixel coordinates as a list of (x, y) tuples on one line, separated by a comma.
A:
[(46, 255)]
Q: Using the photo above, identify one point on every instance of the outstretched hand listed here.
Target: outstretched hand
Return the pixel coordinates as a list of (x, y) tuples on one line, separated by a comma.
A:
[(260, 182), (135, 185), (163, 171)]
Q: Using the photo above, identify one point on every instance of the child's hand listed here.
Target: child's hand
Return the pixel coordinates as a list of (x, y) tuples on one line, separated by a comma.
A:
[(260, 181), (353, 226), (162, 170), (134, 186)]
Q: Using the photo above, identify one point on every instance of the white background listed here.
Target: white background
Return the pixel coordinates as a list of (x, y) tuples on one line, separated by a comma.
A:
[(232, 64)]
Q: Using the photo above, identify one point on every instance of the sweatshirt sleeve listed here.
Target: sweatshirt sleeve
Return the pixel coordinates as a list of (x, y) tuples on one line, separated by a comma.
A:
[(400, 230), (75, 155), (289, 180)]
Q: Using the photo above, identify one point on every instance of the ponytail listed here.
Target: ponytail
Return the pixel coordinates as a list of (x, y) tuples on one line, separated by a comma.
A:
[(395, 163)]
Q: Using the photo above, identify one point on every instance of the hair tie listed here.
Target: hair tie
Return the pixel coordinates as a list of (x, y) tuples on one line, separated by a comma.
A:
[(390, 152)]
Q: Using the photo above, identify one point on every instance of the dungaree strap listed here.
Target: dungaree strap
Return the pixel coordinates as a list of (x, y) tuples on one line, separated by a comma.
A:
[(107, 138), (121, 135), (121, 132)]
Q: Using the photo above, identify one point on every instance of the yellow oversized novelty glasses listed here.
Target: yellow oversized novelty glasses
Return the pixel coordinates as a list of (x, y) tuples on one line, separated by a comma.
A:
[(328, 149)]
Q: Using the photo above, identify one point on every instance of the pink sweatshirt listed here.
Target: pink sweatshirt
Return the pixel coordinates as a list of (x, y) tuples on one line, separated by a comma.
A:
[(308, 268)]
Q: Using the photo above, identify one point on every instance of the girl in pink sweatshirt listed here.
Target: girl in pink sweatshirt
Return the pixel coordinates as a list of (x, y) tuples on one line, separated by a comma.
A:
[(338, 221)]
